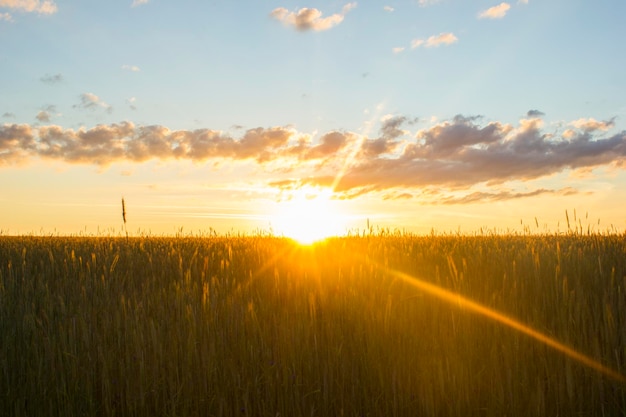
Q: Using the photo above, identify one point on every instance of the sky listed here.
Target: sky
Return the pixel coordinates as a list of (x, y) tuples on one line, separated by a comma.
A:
[(229, 117)]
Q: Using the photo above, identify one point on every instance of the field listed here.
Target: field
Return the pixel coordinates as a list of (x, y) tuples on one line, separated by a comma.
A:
[(370, 325)]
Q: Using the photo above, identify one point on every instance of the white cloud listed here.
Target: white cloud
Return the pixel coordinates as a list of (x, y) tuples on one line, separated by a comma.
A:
[(425, 3), (435, 41), (6, 17), (131, 103), (522, 1), (310, 18), (388, 9), (495, 12), (31, 6), (139, 3), (132, 68), (398, 49)]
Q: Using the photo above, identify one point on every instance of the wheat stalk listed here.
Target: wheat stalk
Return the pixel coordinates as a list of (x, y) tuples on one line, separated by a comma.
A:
[(124, 217)]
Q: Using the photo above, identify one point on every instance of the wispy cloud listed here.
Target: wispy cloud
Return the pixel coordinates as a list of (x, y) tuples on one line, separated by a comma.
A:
[(131, 103), (139, 3), (435, 41), (388, 9), (495, 12), (6, 17), (397, 49), (132, 68), (425, 3), (91, 101), (51, 79), (456, 157), (310, 18), (487, 197), (30, 6)]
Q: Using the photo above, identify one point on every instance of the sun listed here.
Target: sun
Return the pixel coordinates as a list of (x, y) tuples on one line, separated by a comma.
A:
[(310, 215)]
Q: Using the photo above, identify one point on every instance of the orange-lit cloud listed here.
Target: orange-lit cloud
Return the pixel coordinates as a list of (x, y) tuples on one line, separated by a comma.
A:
[(495, 12), (435, 41), (31, 6), (455, 154), (589, 125), (17, 143), (485, 197), (310, 18)]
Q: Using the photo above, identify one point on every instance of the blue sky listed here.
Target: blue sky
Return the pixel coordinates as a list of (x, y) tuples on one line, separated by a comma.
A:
[(462, 114)]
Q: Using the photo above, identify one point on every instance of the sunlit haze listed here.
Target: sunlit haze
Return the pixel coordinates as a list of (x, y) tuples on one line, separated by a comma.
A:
[(312, 119)]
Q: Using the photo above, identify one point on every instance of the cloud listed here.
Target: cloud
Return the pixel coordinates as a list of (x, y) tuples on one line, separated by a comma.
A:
[(589, 125), (139, 3), (46, 113), (388, 9), (424, 3), (310, 18), (51, 79), (90, 101), (30, 6), (131, 103), (495, 12), (398, 196), (487, 197), (460, 155), (398, 49), (330, 144), (522, 1), (6, 17), (435, 41), (43, 116), (8, 115), (132, 68), (534, 114), (107, 144), (390, 126), (17, 143)]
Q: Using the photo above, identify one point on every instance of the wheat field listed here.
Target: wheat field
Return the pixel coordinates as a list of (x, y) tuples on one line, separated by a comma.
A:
[(351, 326)]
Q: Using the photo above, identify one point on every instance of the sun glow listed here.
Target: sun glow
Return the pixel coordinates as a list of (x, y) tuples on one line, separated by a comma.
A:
[(308, 216)]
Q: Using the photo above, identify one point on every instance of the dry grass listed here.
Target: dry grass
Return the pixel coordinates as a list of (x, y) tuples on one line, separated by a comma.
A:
[(259, 326)]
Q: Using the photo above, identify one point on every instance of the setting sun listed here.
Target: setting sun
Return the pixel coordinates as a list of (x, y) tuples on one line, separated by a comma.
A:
[(309, 216)]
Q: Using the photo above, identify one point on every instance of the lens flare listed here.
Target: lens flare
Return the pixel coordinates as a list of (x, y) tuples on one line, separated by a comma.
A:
[(460, 301)]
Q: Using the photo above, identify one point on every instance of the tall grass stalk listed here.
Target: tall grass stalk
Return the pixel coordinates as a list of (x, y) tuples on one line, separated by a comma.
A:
[(124, 218)]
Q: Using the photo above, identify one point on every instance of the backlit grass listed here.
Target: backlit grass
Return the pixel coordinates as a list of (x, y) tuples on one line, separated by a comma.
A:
[(259, 326)]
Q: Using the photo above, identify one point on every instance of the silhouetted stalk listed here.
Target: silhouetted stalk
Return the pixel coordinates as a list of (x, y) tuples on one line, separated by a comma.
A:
[(124, 218)]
